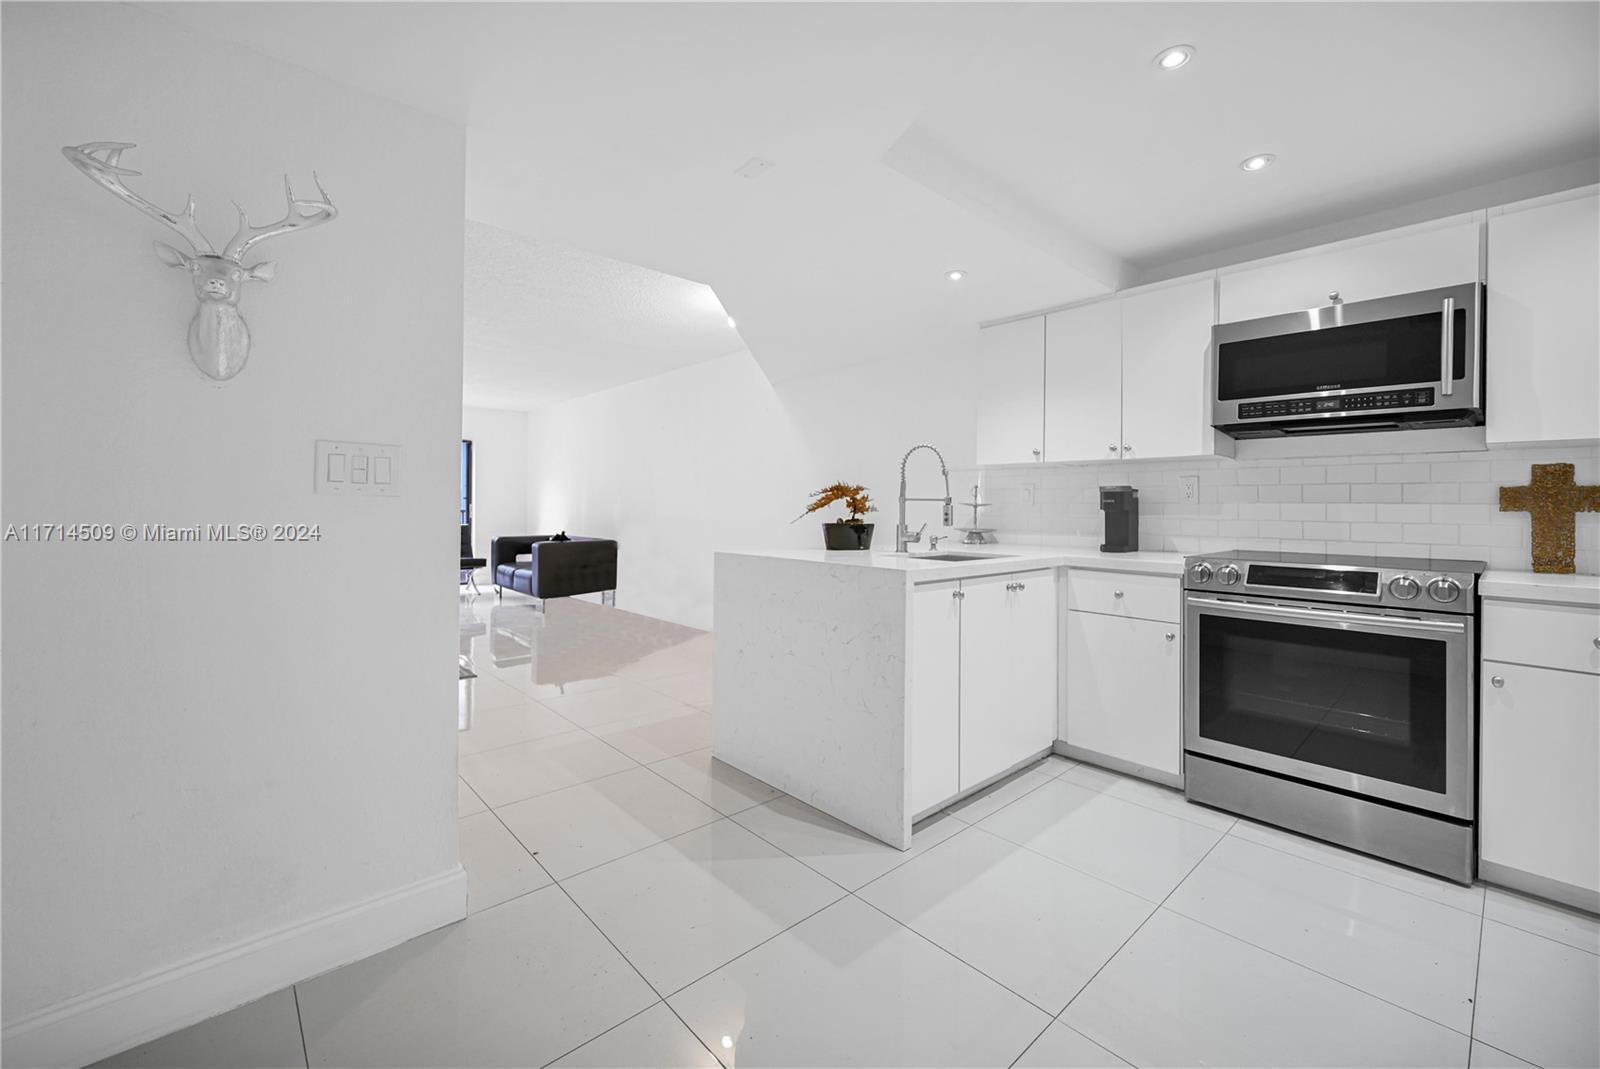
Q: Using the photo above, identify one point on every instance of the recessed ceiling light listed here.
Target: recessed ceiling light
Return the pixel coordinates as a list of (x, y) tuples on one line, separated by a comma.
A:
[(1257, 163), (1170, 59), (955, 276)]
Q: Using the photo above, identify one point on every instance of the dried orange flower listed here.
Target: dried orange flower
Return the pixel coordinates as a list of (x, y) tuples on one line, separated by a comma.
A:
[(854, 497)]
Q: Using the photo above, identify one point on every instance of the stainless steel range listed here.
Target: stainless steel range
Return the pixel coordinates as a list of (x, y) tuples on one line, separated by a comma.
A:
[(1335, 696)]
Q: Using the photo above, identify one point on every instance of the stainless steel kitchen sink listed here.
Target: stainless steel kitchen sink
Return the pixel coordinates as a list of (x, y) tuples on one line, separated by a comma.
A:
[(958, 556)]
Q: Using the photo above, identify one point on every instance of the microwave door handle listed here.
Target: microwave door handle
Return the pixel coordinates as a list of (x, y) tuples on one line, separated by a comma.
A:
[(1328, 616), (1447, 349)]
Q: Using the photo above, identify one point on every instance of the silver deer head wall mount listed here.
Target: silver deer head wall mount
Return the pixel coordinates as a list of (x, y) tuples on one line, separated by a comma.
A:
[(219, 338)]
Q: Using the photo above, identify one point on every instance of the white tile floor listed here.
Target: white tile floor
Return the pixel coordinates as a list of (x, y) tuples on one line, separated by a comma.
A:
[(636, 903)]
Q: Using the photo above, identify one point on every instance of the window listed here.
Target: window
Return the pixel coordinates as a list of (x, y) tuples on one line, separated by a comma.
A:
[(466, 483)]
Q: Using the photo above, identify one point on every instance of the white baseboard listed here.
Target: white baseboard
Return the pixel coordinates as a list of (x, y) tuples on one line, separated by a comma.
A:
[(92, 1026)]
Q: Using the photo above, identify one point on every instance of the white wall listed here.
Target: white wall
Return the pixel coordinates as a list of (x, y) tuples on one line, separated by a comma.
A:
[(714, 456), (204, 743), (500, 475)]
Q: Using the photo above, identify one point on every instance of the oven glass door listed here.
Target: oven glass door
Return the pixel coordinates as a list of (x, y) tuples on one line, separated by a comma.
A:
[(1365, 701)]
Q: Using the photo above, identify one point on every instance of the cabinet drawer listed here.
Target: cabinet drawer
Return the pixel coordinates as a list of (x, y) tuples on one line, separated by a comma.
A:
[(1552, 636), (1144, 597), (1539, 786)]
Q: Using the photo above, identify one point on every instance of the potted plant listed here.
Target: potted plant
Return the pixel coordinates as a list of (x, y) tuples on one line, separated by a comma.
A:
[(851, 532)]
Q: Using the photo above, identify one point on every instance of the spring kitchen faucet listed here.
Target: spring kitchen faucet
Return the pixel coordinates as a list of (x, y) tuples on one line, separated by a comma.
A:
[(903, 538)]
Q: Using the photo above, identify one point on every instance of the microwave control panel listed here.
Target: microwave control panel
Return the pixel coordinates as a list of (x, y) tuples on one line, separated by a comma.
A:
[(1361, 402)]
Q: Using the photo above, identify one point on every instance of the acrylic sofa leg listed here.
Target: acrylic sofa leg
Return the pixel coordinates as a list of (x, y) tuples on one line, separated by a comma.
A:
[(608, 597)]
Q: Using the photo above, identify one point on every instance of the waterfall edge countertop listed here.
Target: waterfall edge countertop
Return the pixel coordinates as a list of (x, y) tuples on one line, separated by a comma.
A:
[(996, 558)]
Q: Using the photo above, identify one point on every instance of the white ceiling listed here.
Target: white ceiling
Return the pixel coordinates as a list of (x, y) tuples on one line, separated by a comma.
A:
[(1032, 145), (544, 323)]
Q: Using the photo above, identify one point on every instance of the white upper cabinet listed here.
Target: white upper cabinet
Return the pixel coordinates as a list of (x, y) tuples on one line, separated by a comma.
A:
[(1543, 344), (1083, 382), (1418, 258), (1166, 347), (1011, 393)]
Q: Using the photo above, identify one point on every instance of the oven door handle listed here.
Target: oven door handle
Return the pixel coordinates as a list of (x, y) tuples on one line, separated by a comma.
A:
[(1330, 616)]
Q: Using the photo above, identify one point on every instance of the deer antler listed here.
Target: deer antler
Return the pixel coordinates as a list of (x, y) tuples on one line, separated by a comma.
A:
[(108, 174), (301, 215)]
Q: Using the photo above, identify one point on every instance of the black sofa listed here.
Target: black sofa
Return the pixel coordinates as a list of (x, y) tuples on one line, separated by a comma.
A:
[(555, 569)]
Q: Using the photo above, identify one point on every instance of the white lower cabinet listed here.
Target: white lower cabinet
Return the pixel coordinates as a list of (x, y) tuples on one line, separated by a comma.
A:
[(1539, 751), (983, 680), (934, 715), (1008, 672), (1125, 690)]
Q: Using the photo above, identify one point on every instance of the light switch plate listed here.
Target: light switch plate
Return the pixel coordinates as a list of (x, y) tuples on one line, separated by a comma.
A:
[(363, 469)]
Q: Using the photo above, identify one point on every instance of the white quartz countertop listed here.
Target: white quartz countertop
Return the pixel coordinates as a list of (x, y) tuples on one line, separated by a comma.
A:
[(996, 558), (1536, 586)]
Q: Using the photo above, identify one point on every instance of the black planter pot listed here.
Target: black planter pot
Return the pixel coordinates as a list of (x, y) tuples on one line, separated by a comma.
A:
[(847, 536)]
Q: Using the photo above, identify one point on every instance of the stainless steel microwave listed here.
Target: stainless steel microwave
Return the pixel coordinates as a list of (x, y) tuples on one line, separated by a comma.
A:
[(1407, 362)]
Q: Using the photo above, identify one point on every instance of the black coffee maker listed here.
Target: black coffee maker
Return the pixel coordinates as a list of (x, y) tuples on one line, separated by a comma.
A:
[(1121, 506)]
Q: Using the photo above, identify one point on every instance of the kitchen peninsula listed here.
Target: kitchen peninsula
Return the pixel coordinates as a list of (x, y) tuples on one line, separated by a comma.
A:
[(878, 687)]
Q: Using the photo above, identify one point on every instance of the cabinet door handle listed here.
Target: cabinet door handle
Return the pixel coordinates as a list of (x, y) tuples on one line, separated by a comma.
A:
[(1127, 449), (1116, 593), (1498, 681), (1171, 636), (958, 594), (1112, 447), (1022, 586), (1035, 454), (1011, 587), (1597, 643)]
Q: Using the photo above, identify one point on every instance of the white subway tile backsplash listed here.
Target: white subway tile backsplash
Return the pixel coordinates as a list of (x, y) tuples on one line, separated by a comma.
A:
[(1432, 492), (1401, 473), (1279, 493), (1420, 504), (1376, 492), (1350, 473)]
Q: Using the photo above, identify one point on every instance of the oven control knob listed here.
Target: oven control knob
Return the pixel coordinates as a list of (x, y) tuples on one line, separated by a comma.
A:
[(1200, 572), (1227, 575), (1444, 589), (1404, 587)]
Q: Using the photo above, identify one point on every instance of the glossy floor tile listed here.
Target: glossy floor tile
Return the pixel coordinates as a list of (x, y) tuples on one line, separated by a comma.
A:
[(525, 769), (520, 721), (997, 796), (1134, 847), (264, 1034), (579, 827), (1147, 794), (1569, 926), (516, 985), (1062, 1048), (658, 736), (850, 987), (847, 857), (1408, 950), (1418, 883), (691, 688), (1035, 925), (627, 700), (682, 908), (1538, 998), (1182, 994), (655, 1039), (783, 937), (499, 868), (720, 786)]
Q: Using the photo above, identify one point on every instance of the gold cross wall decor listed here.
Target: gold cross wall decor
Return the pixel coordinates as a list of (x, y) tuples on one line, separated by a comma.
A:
[(1553, 500)]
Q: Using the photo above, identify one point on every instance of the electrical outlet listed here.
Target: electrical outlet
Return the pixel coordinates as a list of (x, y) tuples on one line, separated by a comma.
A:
[(1027, 493), (1190, 485)]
